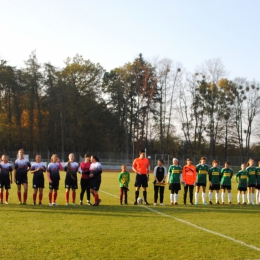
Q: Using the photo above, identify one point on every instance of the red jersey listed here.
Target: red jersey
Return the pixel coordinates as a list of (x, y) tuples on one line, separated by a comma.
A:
[(189, 174), (85, 170), (141, 165)]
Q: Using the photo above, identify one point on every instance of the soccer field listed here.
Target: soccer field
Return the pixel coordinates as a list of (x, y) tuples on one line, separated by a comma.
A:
[(113, 231)]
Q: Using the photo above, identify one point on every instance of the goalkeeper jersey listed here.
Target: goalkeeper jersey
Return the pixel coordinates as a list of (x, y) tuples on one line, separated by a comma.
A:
[(227, 174), (251, 175), (215, 175), (202, 171)]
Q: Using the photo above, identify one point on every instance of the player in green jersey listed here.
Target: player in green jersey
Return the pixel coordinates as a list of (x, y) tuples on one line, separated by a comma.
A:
[(214, 181), (227, 174), (174, 178), (258, 184), (202, 170), (124, 179), (241, 178), (251, 181)]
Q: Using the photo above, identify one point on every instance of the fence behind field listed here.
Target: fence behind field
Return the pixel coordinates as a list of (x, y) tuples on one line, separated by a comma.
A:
[(113, 161)]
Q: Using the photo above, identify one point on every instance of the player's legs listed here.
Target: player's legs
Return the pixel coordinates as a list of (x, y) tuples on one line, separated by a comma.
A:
[(161, 194), (35, 191), (25, 192), (217, 196), (73, 196), (203, 195), (125, 192), (19, 187), (121, 195), (229, 197), (50, 196), (144, 194), (55, 195), (191, 188), (40, 195), (238, 196), (244, 197), (1, 195), (210, 196), (185, 194), (83, 188), (249, 195), (67, 194), (223, 196), (197, 190), (253, 195), (156, 190)]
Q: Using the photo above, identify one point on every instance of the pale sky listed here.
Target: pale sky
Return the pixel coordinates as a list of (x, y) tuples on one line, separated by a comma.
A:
[(114, 32)]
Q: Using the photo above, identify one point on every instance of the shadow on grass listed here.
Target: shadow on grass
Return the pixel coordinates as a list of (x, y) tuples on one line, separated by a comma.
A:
[(133, 210)]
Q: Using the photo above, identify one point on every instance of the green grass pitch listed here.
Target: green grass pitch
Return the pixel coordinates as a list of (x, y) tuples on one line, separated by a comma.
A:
[(113, 231)]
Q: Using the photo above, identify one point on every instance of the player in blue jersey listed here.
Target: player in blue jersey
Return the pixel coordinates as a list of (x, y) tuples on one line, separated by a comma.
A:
[(5, 178), (21, 168)]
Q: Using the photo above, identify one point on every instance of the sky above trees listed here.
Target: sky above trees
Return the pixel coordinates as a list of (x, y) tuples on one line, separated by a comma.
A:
[(115, 32)]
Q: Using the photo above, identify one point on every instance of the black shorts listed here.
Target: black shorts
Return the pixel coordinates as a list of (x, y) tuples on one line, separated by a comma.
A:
[(201, 184), (70, 183), (54, 185), (214, 187), (5, 183), (174, 187), (242, 188), (38, 184), (224, 187), (141, 180), (257, 186), (21, 180), (85, 184), (251, 185), (95, 183)]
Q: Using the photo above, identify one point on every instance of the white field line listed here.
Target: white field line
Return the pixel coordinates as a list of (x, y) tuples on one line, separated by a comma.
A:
[(193, 225)]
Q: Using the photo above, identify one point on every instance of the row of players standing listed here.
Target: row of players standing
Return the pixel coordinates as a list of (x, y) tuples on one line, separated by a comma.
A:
[(90, 171), (190, 176), (248, 179)]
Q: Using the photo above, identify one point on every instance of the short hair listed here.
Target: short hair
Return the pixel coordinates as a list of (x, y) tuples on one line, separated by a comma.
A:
[(203, 158), (141, 151), (161, 160), (95, 157), (188, 159), (86, 155), (227, 163), (215, 161)]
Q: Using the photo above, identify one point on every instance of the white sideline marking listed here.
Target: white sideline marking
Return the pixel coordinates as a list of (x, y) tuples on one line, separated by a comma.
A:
[(194, 225)]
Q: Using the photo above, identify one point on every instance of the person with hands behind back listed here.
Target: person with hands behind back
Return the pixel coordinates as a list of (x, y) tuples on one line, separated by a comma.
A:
[(160, 173), (189, 179)]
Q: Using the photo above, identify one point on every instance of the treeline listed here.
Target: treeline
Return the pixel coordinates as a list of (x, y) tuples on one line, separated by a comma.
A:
[(156, 105)]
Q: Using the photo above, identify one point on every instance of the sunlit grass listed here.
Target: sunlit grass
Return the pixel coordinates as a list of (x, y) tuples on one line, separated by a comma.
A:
[(111, 231)]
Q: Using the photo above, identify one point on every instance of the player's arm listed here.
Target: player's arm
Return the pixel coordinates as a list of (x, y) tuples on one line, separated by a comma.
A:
[(154, 173), (33, 170), (28, 166), (11, 174), (169, 174), (134, 167), (49, 176), (60, 165), (15, 168)]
